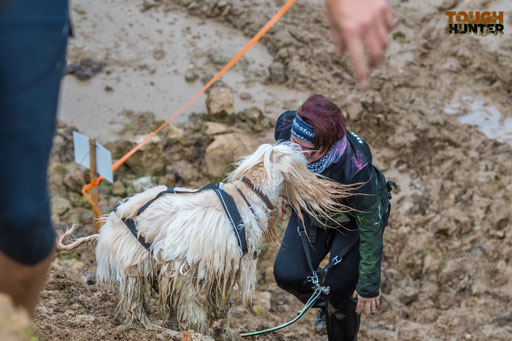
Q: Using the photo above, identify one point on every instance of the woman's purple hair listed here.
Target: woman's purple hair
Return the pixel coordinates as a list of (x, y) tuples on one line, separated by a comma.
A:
[(327, 119)]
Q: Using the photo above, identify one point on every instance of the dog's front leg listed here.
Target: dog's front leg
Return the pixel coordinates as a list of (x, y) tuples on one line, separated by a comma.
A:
[(178, 294), (132, 303), (190, 313)]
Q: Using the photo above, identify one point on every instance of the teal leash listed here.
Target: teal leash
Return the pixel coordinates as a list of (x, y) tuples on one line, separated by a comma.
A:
[(319, 290), (313, 279)]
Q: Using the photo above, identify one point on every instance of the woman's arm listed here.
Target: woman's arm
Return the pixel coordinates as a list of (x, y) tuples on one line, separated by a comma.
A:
[(368, 215)]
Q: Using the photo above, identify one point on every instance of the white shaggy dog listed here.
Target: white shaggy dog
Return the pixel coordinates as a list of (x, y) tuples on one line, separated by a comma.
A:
[(194, 250)]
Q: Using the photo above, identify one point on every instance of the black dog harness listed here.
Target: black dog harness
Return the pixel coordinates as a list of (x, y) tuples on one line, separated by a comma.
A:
[(227, 203)]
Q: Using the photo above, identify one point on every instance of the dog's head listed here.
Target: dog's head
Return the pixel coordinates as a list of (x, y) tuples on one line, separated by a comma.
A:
[(280, 170)]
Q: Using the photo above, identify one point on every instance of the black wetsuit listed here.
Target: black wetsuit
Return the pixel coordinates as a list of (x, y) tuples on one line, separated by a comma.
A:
[(360, 267)]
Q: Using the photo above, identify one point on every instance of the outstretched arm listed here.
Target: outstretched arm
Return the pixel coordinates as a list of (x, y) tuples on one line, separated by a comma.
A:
[(355, 23)]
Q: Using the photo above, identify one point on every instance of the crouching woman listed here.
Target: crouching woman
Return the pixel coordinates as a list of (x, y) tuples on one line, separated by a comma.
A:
[(319, 128)]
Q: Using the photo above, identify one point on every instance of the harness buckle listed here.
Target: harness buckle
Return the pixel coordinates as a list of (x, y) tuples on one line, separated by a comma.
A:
[(336, 260), (313, 279), (325, 290)]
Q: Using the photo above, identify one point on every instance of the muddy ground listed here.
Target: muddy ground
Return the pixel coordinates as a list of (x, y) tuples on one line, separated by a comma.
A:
[(447, 270)]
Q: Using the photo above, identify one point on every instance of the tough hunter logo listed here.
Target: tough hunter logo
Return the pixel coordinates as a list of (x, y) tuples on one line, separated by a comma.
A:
[(478, 22)]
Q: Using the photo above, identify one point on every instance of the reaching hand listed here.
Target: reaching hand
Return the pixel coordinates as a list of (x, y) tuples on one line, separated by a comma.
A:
[(368, 305), (355, 23)]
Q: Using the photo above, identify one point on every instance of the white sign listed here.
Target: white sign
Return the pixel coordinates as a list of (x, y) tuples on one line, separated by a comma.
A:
[(103, 156)]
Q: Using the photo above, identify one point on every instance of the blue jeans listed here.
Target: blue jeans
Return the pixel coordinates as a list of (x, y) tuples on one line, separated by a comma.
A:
[(33, 39)]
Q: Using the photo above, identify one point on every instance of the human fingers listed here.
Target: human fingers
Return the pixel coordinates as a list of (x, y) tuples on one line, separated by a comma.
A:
[(373, 307), (338, 41), (388, 18), (383, 33), (367, 309), (282, 212), (355, 47), (354, 295), (378, 301), (360, 306), (373, 44)]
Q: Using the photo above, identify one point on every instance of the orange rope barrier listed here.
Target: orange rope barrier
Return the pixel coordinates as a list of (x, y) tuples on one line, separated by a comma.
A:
[(228, 66)]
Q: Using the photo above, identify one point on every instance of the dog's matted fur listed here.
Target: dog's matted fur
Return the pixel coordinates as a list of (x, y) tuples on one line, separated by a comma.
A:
[(194, 250)]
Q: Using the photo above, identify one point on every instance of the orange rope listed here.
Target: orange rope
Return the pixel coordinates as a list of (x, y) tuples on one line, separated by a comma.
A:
[(228, 66)]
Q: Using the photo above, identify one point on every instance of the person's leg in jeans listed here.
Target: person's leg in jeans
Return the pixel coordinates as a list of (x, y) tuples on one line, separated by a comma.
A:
[(33, 38)]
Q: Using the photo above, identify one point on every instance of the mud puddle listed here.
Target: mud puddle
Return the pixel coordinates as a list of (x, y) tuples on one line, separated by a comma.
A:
[(146, 59), (482, 113)]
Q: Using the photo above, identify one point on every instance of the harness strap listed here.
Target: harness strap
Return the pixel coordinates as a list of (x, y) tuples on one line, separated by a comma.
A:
[(245, 199), (227, 203), (172, 191), (234, 217), (133, 229), (338, 258), (304, 239)]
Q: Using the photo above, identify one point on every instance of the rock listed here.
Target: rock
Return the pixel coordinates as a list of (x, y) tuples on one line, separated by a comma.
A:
[(277, 73), (261, 303), (158, 54), (215, 128), (226, 149), (62, 148), (266, 122), (60, 205), (406, 295), (354, 110), (82, 215), (142, 183), (252, 115), (253, 119), (90, 278), (220, 102), (263, 299), (183, 170), (451, 222), (453, 269), (191, 75), (245, 96), (118, 188), (448, 4), (75, 180), (168, 180), (85, 69), (505, 318), (175, 133), (428, 315)]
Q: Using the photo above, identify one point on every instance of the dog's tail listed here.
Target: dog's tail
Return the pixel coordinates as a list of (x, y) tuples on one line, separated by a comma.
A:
[(89, 240)]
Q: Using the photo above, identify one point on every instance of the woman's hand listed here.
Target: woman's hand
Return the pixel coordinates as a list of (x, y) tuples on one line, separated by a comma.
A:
[(283, 204), (358, 23), (368, 305)]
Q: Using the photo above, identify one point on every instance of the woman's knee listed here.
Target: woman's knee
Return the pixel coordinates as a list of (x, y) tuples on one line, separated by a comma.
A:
[(287, 276)]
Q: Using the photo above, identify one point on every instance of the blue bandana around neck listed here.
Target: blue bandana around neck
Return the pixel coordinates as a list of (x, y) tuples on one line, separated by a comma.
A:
[(331, 157), (302, 130)]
